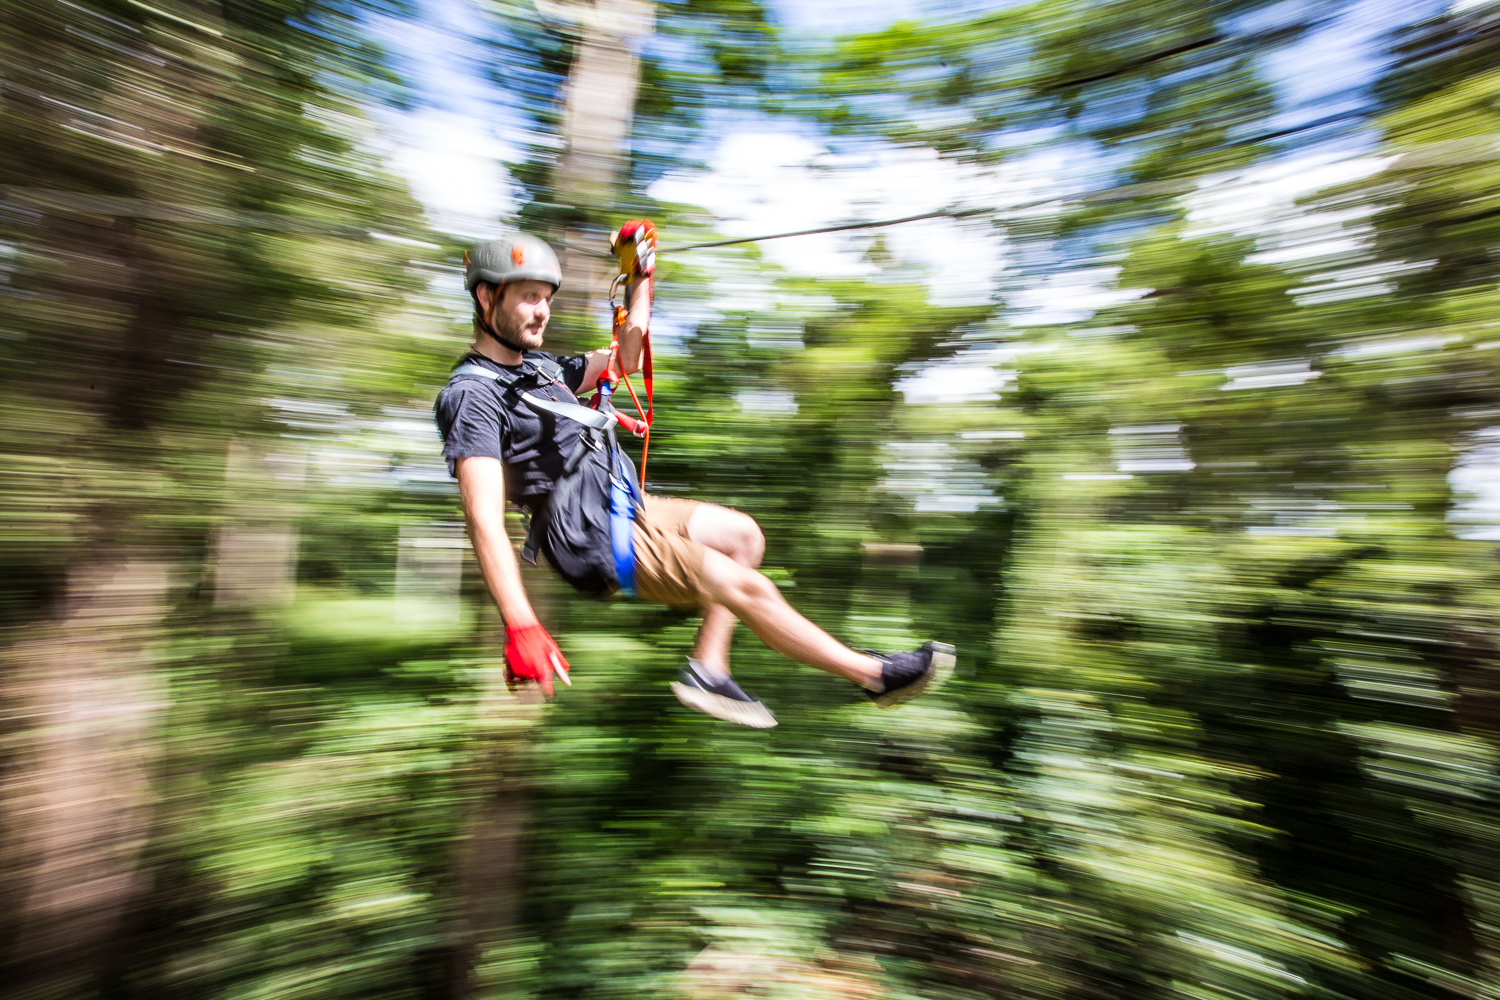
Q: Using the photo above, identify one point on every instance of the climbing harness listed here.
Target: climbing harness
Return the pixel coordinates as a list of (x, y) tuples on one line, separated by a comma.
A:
[(599, 435)]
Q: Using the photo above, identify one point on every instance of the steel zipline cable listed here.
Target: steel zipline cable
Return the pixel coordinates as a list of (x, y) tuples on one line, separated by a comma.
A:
[(28, 200), (1122, 192), (943, 213)]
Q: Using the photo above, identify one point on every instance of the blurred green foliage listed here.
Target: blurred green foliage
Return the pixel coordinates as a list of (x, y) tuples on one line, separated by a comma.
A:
[(1226, 716)]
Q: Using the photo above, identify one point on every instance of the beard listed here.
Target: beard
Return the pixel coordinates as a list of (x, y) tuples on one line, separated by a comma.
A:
[(513, 334)]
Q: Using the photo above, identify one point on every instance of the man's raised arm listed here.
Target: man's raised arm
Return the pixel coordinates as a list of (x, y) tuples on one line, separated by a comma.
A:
[(530, 653), (637, 322), (632, 338)]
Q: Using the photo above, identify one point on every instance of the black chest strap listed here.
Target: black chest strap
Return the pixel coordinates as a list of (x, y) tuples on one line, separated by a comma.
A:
[(535, 372)]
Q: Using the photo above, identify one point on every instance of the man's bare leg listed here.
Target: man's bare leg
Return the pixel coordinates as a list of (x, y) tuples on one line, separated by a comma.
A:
[(757, 602), (737, 536)]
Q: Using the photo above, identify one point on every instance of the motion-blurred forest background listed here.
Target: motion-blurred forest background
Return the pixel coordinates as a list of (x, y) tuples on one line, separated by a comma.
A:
[(1227, 712)]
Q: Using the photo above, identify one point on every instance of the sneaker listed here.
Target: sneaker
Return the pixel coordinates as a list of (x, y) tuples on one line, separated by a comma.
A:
[(722, 698), (907, 675)]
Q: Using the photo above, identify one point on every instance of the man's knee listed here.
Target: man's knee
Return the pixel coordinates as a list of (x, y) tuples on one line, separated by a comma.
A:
[(752, 540), (734, 534), (730, 582)]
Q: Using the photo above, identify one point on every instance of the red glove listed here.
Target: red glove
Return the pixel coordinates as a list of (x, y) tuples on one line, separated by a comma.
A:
[(531, 655)]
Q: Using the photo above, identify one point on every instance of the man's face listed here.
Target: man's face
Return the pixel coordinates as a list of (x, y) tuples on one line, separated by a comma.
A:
[(521, 317)]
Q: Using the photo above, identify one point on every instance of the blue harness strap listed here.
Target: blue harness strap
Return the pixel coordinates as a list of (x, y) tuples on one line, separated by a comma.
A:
[(621, 535), (624, 501), (621, 512)]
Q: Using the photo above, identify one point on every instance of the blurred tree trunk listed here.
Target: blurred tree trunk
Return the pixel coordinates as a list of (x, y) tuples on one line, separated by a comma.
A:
[(601, 91), (255, 551), (489, 865), (77, 793), (81, 688), (133, 353), (596, 127)]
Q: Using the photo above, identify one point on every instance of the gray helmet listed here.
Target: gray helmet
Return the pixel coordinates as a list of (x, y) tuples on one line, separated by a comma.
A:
[(515, 257)]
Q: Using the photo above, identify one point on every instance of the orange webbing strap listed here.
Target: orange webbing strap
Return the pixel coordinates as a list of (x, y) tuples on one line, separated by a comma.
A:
[(647, 411), (634, 246)]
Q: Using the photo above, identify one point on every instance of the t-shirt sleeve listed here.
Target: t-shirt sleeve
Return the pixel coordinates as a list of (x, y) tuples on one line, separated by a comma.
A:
[(470, 423), (573, 370)]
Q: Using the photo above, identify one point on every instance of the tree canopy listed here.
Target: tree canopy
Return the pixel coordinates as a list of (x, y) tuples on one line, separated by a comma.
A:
[(1225, 721)]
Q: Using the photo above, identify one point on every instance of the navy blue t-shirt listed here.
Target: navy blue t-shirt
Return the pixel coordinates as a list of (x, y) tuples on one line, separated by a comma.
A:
[(479, 418)]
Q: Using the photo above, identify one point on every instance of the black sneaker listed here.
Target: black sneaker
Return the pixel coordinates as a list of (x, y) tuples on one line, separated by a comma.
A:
[(721, 698), (907, 675)]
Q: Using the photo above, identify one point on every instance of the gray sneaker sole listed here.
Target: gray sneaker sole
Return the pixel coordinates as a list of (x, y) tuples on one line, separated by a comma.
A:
[(743, 713), (938, 672)]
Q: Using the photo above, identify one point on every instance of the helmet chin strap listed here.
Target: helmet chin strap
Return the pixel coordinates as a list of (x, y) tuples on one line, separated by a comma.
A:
[(489, 322)]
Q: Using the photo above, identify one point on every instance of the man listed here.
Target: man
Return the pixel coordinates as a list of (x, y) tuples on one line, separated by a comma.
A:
[(502, 446)]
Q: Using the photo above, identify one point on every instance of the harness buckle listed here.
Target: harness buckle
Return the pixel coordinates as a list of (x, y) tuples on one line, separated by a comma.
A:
[(529, 546)]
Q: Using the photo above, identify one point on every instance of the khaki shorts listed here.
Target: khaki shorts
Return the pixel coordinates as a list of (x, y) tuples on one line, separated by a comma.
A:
[(668, 566)]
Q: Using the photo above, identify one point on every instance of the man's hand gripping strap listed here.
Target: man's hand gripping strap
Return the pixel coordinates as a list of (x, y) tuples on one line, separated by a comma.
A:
[(635, 248)]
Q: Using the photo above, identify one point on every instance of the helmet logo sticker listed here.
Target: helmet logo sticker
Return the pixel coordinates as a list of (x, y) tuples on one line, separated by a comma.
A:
[(517, 255)]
